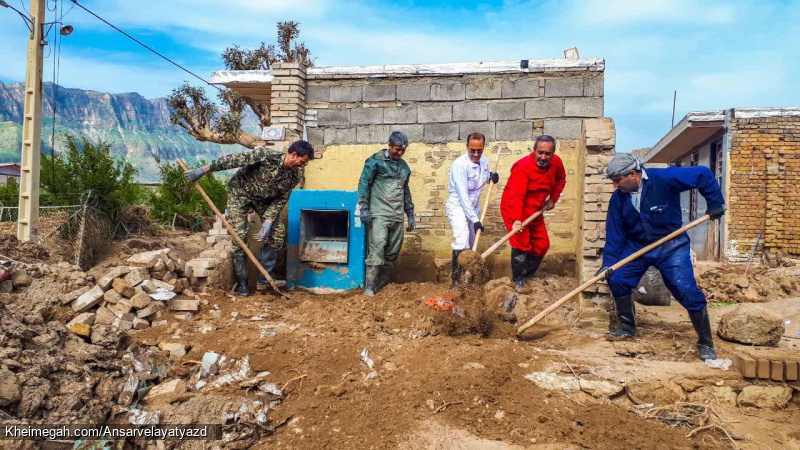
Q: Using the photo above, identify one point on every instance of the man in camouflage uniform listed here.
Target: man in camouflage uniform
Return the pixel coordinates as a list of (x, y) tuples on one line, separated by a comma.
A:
[(383, 197), (262, 185)]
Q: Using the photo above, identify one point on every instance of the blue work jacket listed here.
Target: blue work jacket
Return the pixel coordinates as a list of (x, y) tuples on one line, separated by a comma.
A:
[(659, 210)]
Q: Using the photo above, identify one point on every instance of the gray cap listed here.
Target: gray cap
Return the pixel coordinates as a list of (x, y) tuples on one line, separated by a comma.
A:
[(399, 139), (622, 164)]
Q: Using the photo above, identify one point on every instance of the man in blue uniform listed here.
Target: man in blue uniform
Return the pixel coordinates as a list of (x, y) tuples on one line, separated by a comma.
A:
[(644, 208)]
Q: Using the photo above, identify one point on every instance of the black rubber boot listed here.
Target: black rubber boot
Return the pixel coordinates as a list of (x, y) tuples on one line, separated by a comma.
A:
[(268, 258), (627, 319), (384, 273), (702, 326), (532, 263), (457, 270), (518, 260), (240, 267), (371, 280)]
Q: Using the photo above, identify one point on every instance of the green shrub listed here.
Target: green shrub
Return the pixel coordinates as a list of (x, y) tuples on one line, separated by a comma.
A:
[(176, 196)]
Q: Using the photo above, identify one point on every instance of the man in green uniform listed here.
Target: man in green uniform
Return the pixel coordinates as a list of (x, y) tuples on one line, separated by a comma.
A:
[(262, 185), (383, 197)]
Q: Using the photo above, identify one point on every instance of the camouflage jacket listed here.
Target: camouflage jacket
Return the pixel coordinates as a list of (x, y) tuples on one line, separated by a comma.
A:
[(262, 178), (384, 187)]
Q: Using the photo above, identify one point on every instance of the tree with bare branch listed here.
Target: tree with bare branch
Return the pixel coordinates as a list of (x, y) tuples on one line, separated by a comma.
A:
[(193, 111)]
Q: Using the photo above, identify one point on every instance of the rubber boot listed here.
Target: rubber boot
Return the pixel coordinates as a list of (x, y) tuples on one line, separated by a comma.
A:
[(627, 319), (384, 273), (532, 263), (518, 259), (457, 270), (268, 257), (371, 280), (240, 267), (702, 326)]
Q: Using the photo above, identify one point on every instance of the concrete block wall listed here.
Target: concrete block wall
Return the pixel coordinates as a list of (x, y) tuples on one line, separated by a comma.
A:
[(350, 116), (764, 185)]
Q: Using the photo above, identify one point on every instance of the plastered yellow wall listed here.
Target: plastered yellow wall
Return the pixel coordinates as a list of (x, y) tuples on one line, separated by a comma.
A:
[(428, 248)]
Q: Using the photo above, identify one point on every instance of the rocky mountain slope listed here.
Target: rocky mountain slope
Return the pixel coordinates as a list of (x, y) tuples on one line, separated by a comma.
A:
[(138, 128)]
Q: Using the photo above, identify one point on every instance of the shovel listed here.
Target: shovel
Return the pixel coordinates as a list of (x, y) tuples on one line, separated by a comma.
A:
[(486, 204), (239, 240), (616, 266)]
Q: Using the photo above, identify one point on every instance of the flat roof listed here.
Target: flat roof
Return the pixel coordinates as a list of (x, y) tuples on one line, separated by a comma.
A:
[(698, 126), (257, 84)]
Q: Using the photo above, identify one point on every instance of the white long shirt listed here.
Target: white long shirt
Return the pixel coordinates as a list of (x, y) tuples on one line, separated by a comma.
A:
[(466, 184)]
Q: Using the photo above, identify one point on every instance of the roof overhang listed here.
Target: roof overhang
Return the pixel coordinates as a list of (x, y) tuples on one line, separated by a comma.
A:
[(691, 131), (257, 84)]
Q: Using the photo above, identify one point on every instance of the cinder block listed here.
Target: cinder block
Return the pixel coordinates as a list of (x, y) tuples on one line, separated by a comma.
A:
[(792, 370), (506, 110), (373, 134), (776, 370), (485, 128), (317, 93), (315, 137), (339, 136), (763, 369), (345, 94), (108, 278), (448, 92), (593, 87), (402, 114), (441, 132), (470, 111), (514, 131), (333, 117), (563, 128), (366, 116), (440, 114), (483, 89), (563, 87), (413, 132), (379, 93), (417, 92), (583, 107), (521, 88), (544, 108)]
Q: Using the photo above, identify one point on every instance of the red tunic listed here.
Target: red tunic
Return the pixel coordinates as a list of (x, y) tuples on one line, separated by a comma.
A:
[(526, 191)]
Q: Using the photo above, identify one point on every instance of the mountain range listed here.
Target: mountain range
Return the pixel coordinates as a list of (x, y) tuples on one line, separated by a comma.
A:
[(138, 129)]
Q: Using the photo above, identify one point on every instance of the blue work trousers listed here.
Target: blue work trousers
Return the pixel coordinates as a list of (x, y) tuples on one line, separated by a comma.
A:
[(673, 259)]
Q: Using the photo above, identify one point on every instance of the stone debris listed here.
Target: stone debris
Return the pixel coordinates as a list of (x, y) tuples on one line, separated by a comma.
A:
[(751, 324), (166, 392), (556, 382), (765, 396)]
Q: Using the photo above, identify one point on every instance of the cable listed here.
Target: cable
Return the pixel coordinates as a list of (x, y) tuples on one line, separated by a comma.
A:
[(145, 46)]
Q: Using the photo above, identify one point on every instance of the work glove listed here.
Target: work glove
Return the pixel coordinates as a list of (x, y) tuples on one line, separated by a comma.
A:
[(717, 212), (478, 226), (494, 177), (411, 224), (263, 234), (606, 271), (195, 174), (366, 215)]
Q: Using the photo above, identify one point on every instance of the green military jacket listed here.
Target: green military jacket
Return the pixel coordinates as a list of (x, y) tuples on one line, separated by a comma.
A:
[(262, 178), (384, 187)]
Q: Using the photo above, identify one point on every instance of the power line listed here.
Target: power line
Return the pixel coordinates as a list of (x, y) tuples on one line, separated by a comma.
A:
[(146, 46)]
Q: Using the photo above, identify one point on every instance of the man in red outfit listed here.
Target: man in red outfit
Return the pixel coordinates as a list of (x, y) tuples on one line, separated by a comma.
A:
[(536, 182)]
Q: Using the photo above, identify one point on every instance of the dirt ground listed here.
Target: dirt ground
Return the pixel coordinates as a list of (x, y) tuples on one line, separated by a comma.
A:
[(419, 385)]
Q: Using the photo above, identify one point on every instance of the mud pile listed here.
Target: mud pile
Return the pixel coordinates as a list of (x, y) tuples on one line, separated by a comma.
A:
[(727, 283), (11, 248)]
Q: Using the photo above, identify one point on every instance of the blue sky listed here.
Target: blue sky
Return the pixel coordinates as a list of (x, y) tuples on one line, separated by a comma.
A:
[(716, 54)]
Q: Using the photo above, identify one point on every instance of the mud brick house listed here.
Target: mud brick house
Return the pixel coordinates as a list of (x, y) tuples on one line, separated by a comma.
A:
[(349, 112), (755, 154)]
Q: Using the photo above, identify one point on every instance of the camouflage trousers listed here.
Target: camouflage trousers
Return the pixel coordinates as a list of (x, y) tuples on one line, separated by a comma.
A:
[(238, 209)]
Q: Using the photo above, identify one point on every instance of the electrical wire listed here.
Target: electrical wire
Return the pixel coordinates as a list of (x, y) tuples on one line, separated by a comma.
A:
[(145, 45)]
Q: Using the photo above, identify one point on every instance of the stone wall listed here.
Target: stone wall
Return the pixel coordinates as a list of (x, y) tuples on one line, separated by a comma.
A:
[(764, 185), (350, 116)]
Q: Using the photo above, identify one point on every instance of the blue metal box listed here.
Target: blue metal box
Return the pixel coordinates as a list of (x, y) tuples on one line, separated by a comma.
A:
[(327, 241)]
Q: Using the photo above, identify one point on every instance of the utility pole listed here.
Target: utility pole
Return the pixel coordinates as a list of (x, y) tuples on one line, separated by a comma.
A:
[(28, 225)]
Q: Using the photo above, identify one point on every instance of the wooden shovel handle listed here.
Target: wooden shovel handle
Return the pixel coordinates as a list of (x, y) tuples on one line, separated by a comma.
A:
[(486, 203), (233, 233), (511, 233), (616, 266)]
